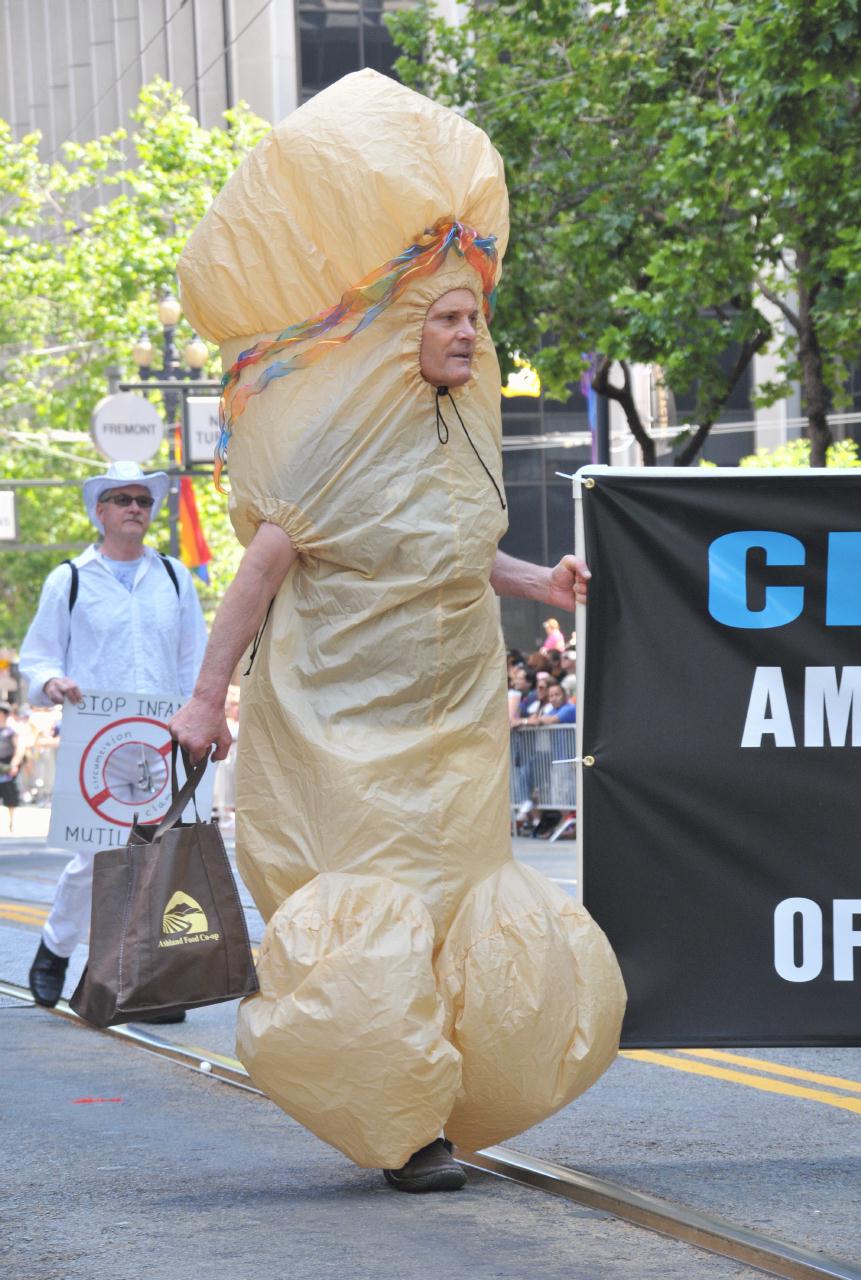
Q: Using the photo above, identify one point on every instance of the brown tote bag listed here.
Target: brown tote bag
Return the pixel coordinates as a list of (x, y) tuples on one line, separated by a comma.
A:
[(168, 931)]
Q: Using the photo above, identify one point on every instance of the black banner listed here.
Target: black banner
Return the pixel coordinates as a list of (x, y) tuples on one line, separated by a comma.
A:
[(721, 705)]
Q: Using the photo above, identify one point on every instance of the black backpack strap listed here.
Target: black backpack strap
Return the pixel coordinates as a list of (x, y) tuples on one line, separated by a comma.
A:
[(171, 572), (73, 589)]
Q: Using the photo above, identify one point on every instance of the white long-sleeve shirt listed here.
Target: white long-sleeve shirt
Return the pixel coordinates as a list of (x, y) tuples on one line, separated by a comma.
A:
[(148, 640)]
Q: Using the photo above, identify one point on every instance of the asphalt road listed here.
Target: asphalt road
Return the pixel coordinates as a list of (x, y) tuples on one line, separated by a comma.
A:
[(186, 1175), (177, 1175)]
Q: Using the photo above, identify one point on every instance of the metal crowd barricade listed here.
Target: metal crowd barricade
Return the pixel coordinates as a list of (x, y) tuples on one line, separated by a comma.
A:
[(542, 767), (36, 777)]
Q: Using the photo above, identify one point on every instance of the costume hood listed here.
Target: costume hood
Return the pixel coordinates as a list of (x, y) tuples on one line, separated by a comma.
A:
[(340, 187)]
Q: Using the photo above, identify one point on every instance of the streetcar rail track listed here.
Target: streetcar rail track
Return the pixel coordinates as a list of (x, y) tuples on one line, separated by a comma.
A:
[(702, 1230)]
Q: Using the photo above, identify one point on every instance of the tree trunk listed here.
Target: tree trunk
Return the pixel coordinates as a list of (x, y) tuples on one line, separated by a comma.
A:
[(625, 397), (748, 350), (687, 456), (812, 379)]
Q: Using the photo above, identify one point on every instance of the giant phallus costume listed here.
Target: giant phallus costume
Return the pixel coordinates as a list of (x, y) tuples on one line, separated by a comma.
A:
[(413, 977)]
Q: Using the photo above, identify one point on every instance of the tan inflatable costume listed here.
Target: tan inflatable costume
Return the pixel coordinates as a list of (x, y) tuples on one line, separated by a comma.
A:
[(413, 977)]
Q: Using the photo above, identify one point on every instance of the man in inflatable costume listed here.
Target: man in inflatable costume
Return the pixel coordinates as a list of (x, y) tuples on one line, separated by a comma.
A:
[(414, 979)]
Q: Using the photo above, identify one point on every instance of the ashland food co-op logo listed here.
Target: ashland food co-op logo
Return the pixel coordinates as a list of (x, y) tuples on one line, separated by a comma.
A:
[(184, 921)]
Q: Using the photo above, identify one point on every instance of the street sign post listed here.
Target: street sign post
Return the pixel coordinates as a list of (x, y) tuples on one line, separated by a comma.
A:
[(127, 428), (202, 430)]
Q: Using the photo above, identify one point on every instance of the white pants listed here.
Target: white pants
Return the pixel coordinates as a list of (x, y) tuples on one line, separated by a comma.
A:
[(69, 919)]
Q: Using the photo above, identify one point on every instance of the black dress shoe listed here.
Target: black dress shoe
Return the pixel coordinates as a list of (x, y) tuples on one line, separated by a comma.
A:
[(47, 975), (162, 1019), (433, 1168)]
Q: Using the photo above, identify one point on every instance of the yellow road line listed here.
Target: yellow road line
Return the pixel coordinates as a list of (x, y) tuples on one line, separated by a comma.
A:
[(777, 1069), (35, 921), (27, 913), (23, 911), (220, 1058), (750, 1081)]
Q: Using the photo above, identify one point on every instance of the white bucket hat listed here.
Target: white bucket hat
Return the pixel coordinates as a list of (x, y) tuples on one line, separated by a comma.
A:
[(117, 476)]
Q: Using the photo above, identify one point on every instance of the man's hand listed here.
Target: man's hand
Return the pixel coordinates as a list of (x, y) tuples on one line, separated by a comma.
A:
[(569, 583), (58, 688), (198, 725), (563, 587)]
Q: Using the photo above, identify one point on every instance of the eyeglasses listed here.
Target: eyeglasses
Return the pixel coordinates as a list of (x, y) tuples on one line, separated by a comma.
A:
[(126, 500)]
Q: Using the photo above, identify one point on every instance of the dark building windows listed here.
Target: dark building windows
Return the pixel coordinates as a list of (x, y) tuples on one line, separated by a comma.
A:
[(340, 36), (540, 501)]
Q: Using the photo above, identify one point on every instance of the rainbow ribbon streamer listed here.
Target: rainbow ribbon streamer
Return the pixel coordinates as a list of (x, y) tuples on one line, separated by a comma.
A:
[(362, 304)]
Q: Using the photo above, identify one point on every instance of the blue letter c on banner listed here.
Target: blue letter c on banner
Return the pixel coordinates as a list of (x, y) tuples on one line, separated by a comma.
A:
[(728, 579)]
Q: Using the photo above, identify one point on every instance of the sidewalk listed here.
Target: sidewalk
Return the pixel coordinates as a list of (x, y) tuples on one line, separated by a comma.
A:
[(31, 823)]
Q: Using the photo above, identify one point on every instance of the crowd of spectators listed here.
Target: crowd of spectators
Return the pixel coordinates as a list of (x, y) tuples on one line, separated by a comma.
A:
[(542, 690), (28, 756), (542, 686)]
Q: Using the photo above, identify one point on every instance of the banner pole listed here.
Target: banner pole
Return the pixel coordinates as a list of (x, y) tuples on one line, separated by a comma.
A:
[(580, 627)]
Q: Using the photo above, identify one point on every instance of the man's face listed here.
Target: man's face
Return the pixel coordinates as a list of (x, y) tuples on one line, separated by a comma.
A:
[(521, 684), (448, 339), (542, 680), (125, 521), (556, 696)]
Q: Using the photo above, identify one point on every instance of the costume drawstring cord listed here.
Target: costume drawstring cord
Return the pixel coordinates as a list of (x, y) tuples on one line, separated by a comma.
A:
[(442, 432), (256, 645)]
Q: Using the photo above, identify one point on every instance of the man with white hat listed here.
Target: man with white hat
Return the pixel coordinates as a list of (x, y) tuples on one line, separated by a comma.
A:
[(119, 616)]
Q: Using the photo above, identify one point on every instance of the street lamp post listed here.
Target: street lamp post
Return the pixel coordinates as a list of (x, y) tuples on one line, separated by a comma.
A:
[(195, 354)]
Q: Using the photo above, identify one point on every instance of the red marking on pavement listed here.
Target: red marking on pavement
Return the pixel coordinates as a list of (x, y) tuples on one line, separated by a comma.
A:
[(101, 797), (77, 1100)]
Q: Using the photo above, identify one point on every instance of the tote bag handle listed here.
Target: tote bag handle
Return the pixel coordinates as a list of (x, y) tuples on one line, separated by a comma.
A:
[(181, 795)]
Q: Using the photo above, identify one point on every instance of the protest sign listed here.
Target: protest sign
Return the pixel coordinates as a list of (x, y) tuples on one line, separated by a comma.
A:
[(113, 765)]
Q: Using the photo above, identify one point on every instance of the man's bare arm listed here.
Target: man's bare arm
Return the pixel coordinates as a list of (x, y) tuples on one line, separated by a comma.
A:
[(265, 565), (563, 586)]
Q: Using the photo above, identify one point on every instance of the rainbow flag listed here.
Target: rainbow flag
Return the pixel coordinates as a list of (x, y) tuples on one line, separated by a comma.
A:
[(193, 549)]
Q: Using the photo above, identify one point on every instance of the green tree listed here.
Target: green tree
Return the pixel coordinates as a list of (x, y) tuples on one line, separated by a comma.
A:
[(796, 453), (795, 71), (86, 243), (671, 163)]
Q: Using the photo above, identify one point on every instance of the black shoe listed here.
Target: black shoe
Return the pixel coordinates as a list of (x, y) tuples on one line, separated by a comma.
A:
[(433, 1168), (162, 1019), (47, 975)]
